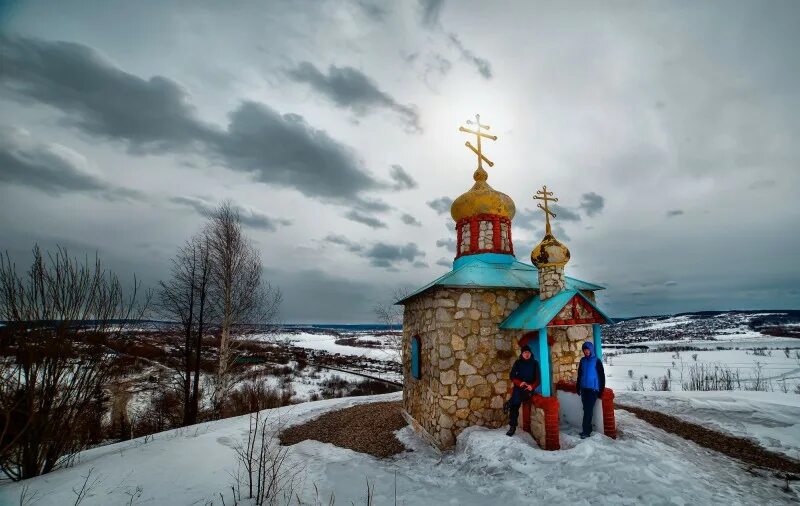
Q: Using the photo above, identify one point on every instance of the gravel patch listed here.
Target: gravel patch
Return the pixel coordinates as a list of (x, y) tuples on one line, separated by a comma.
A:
[(366, 428)]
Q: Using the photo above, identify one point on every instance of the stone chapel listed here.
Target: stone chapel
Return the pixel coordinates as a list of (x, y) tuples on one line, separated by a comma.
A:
[(463, 331)]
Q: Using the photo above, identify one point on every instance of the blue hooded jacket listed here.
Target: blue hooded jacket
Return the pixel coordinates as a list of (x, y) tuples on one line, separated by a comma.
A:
[(591, 374)]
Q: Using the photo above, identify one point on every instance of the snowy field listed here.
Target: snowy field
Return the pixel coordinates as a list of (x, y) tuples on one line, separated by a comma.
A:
[(327, 342), (194, 466), (624, 368)]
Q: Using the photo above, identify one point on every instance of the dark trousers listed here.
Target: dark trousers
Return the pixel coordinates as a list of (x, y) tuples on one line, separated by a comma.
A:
[(588, 398), (513, 413)]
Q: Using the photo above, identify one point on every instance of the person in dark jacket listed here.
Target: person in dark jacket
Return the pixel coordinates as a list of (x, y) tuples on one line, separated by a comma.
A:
[(525, 377), (590, 384)]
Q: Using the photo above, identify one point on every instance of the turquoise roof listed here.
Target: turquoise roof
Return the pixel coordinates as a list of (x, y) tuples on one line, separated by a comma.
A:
[(536, 314), (495, 270)]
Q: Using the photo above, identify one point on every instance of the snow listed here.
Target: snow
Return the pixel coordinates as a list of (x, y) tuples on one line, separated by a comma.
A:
[(775, 366), (666, 323), (327, 342), (193, 466), (771, 419)]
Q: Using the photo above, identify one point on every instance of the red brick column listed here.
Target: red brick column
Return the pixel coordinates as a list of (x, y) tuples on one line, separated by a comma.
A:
[(474, 229), (609, 420), (552, 435)]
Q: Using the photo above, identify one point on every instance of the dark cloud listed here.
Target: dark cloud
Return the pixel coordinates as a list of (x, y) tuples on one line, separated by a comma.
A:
[(670, 283), (402, 179), (528, 219), (372, 205), (315, 296), (350, 88), (419, 264), (359, 217), (448, 243), (155, 115), (429, 11), (52, 168), (372, 10), (249, 217), (381, 254), (386, 255), (674, 212), (441, 205), (97, 97), (592, 203), (284, 150), (444, 262), (410, 220), (482, 65), (564, 213), (344, 241)]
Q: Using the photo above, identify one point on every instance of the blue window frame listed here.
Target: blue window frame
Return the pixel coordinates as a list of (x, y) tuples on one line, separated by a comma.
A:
[(415, 368)]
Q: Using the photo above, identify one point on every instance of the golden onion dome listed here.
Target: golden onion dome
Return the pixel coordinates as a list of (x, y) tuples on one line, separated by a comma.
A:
[(550, 252), (482, 199)]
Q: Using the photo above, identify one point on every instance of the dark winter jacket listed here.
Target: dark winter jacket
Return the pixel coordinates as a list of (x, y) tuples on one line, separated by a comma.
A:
[(523, 371), (593, 378)]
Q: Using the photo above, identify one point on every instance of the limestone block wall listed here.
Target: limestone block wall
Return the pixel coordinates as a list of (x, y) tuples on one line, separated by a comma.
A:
[(565, 352), (551, 281), (465, 358), (537, 425)]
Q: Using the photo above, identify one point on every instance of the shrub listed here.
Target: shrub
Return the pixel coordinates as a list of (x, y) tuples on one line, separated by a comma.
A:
[(254, 396)]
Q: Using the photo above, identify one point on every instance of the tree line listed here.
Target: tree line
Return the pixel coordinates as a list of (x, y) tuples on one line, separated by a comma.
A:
[(65, 327)]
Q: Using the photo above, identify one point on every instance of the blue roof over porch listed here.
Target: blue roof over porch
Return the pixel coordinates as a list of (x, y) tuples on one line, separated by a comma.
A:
[(536, 314), (494, 270)]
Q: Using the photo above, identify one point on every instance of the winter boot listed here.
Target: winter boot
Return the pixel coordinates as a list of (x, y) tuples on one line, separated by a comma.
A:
[(511, 431)]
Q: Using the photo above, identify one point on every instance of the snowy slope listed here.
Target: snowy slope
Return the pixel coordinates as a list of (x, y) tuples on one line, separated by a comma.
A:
[(645, 465), (771, 419)]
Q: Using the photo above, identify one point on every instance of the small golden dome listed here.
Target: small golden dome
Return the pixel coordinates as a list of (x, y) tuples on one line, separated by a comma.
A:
[(550, 252), (482, 199)]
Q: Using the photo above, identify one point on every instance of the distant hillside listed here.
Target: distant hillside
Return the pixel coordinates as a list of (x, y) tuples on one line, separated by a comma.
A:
[(705, 325)]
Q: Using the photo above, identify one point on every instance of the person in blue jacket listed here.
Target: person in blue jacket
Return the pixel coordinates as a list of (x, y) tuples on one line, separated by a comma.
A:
[(590, 384), (525, 377)]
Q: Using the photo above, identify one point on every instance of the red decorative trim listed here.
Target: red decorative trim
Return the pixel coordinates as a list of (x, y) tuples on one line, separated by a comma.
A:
[(474, 227), (576, 320), (474, 230), (566, 386), (526, 338), (459, 238)]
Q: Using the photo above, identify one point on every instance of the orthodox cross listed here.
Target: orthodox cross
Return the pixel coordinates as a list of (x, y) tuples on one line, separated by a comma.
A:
[(478, 134), (547, 196)]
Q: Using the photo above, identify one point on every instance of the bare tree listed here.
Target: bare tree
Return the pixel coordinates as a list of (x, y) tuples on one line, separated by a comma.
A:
[(184, 299), (240, 297), (389, 313), (55, 363)]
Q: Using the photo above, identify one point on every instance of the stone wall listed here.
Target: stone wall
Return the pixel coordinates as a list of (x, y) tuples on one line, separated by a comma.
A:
[(537, 425), (464, 358), (551, 281), (565, 353)]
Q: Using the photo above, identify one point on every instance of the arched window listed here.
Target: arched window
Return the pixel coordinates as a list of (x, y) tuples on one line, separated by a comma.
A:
[(415, 367)]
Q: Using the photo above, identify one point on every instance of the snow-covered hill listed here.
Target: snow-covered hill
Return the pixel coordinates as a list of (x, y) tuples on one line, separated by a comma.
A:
[(705, 326), (194, 467)]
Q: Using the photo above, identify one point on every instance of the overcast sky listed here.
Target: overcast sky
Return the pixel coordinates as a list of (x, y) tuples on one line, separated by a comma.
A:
[(667, 130)]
